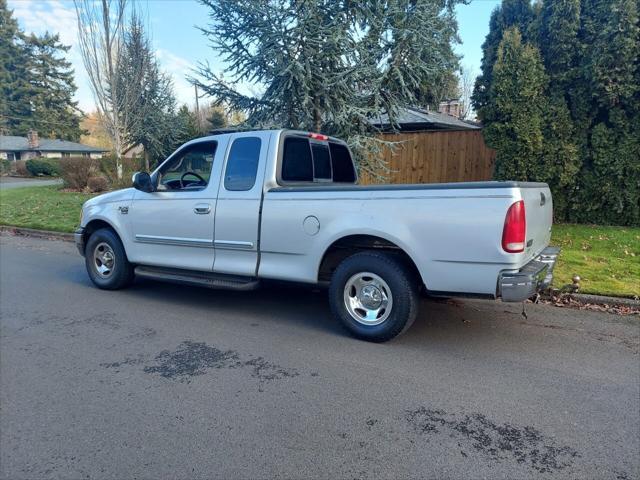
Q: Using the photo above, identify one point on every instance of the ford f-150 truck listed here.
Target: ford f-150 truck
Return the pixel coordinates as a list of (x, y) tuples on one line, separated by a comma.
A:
[(229, 210)]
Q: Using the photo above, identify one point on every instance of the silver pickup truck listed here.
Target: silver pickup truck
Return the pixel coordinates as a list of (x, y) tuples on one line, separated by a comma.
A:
[(229, 210)]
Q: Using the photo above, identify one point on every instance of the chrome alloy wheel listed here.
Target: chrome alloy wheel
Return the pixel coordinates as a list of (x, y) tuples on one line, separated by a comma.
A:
[(104, 259), (368, 298)]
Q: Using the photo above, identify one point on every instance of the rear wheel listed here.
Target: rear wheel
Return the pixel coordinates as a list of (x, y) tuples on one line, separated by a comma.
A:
[(106, 261), (374, 295)]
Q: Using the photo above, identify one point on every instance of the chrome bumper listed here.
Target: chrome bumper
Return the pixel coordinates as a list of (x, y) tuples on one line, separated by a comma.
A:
[(530, 279), (78, 237)]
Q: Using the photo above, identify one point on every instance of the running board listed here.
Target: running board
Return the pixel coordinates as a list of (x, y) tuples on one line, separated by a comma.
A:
[(199, 279)]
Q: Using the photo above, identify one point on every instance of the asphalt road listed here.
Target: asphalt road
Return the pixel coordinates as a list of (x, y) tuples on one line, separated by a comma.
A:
[(7, 183), (166, 381)]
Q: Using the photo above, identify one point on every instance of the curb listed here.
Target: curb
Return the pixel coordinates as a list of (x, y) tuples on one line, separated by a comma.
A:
[(601, 299), (32, 232)]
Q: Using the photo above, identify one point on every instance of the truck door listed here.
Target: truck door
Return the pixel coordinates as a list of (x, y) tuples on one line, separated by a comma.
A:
[(237, 221), (173, 226)]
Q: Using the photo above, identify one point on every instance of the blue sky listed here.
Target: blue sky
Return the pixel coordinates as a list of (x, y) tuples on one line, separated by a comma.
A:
[(180, 45)]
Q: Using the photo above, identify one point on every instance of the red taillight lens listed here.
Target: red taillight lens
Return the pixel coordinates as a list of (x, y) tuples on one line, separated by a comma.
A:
[(318, 136), (515, 228)]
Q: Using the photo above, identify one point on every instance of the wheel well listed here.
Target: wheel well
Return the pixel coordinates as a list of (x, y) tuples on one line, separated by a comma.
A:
[(347, 246), (94, 225)]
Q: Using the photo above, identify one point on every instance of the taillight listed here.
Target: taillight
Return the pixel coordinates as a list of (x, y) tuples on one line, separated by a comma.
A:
[(515, 228), (318, 136)]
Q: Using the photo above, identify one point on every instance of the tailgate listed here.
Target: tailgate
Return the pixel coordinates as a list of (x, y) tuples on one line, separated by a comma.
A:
[(539, 214)]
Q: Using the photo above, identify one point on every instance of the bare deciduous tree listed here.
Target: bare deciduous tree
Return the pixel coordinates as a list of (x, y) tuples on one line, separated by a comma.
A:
[(101, 30), (466, 81)]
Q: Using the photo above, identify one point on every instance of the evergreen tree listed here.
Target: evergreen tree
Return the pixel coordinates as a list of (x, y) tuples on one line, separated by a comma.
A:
[(185, 125), (36, 83), (515, 117), (217, 119), (610, 114), (54, 111), (153, 103), (15, 91), (510, 13), (590, 154), (328, 65)]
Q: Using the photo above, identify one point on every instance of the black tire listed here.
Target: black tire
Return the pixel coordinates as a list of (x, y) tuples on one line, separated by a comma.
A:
[(120, 270), (399, 280)]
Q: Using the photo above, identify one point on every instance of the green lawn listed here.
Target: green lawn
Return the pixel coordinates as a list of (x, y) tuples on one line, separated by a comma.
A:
[(44, 208), (606, 258)]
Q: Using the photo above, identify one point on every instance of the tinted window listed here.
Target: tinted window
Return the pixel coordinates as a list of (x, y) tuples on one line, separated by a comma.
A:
[(297, 165), (242, 164), (189, 169), (321, 161), (342, 164)]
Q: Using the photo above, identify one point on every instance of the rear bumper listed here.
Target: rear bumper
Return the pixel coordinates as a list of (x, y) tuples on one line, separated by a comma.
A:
[(78, 238), (534, 277)]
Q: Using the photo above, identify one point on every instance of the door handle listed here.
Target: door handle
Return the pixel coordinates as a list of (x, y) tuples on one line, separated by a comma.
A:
[(202, 209)]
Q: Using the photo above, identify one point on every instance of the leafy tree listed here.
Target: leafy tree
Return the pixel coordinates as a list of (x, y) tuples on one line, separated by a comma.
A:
[(326, 65)]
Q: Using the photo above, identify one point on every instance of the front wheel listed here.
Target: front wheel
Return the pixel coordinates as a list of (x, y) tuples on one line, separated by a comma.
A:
[(374, 295), (106, 261)]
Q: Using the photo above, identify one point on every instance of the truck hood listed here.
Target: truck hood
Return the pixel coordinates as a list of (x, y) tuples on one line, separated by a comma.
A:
[(123, 195)]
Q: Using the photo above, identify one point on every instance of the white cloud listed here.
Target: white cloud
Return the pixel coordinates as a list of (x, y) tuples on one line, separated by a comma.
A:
[(178, 68)]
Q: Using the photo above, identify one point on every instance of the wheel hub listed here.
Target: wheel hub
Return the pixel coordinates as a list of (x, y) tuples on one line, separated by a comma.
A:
[(368, 298), (104, 259)]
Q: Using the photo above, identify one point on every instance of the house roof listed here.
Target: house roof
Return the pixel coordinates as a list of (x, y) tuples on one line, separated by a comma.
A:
[(11, 143), (415, 119)]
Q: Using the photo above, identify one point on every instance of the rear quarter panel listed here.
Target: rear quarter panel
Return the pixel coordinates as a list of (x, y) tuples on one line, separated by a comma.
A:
[(453, 236)]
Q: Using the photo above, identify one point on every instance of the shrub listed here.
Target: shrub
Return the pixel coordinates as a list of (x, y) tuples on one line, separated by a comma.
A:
[(5, 166), (21, 168), (76, 171), (129, 167), (47, 168), (97, 184)]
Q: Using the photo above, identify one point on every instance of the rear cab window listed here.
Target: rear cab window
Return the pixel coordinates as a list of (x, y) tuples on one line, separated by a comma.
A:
[(242, 164), (312, 160)]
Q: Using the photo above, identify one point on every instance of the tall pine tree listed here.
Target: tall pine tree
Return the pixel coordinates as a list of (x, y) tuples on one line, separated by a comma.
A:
[(151, 91), (511, 13), (36, 83), (55, 113), (515, 115)]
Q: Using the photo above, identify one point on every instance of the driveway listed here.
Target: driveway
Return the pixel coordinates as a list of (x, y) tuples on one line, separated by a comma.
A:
[(167, 381), (7, 183)]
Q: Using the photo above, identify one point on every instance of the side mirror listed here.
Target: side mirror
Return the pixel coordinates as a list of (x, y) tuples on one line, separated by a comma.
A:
[(142, 181)]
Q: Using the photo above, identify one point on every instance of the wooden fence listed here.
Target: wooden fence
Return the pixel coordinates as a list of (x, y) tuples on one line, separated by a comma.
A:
[(436, 157)]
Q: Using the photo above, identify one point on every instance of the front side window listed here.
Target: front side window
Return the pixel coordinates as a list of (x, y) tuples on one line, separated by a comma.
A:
[(189, 169), (242, 164)]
